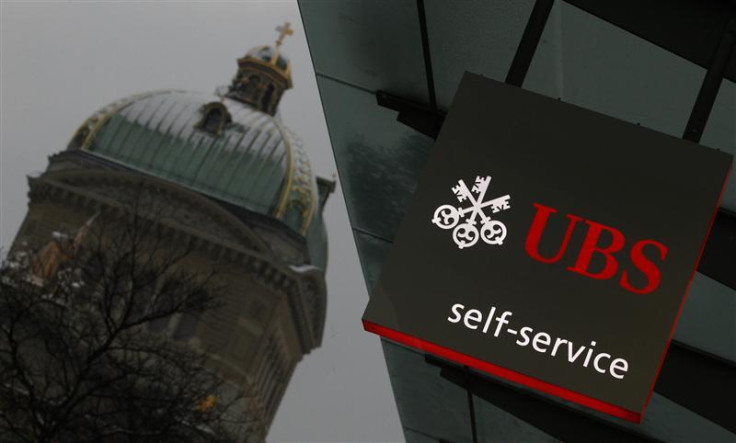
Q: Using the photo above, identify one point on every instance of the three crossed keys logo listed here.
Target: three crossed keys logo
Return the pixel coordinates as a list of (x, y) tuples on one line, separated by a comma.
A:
[(464, 221)]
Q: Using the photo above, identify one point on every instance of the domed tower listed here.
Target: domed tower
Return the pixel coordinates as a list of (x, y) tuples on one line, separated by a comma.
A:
[(245, 196), (263, 75)]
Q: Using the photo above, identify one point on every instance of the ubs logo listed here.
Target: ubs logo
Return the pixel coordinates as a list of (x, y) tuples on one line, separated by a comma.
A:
[(464, 220)]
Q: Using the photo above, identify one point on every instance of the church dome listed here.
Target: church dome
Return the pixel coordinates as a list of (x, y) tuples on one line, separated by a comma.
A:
[(216, 146)]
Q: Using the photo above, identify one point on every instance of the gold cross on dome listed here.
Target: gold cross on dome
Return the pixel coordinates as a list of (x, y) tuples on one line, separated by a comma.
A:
[(284, 31)]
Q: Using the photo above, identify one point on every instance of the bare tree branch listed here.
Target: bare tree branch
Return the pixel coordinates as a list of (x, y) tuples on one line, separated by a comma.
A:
[(80, 357)]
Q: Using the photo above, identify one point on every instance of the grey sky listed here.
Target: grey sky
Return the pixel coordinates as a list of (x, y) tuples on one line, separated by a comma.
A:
[(63, 61)]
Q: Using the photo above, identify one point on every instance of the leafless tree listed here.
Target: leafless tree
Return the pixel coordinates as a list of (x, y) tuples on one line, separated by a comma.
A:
[(85, 351)]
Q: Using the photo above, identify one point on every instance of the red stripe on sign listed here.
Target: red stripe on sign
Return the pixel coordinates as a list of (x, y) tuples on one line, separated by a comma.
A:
[(504, 373)]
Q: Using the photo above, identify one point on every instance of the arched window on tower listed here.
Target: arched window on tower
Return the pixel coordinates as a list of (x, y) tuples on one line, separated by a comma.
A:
[(266, 99), (252, 85)]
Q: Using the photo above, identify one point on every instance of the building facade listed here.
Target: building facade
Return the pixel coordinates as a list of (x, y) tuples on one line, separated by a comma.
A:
[(244, 195), (387, 74)]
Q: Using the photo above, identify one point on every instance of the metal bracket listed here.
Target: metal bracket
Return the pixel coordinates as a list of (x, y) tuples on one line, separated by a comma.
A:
[(419, 117), (711, 84)]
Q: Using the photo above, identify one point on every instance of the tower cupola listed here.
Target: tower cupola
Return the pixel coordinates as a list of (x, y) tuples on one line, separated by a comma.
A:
[(263, 75)]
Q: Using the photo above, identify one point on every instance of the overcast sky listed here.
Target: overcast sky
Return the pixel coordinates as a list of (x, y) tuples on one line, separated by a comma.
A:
[(60, 62)]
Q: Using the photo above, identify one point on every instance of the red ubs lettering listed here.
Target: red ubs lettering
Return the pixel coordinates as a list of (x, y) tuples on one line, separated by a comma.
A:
[(591, 246)]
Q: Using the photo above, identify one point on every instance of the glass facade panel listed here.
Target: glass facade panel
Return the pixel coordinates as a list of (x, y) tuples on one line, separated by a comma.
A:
[(608, 70), (372, 252), (495, 424), (370, 44), (378, 157), (708, 320), (428, 404), (477, 36), (720, 133)]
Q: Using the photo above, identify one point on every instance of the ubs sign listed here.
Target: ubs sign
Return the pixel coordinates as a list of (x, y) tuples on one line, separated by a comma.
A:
[(550, 246)]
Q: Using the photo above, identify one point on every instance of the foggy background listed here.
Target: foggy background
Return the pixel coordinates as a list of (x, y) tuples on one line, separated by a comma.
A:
[(60, 62)]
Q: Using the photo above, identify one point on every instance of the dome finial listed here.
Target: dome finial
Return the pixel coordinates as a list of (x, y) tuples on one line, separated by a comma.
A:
[(284, 31)]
